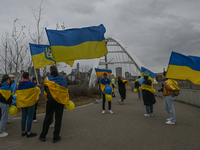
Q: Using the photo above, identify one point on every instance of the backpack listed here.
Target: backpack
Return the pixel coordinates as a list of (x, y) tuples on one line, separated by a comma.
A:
[(176, 92)]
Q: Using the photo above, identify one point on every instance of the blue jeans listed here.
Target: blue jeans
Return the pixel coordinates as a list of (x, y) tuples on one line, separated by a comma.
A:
[(27, 111), (4, 115), (139, 94), (149, 109), (169, 107)]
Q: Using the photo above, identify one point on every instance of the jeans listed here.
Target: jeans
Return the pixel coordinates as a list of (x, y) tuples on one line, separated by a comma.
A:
[(149, 109), (169, 107), (139, 94), (34, 115), (27, 111), (51, 107), (104, 101), (4, 115)]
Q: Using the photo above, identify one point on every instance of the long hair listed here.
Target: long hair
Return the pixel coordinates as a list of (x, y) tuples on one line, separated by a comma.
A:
[(119, 78), (5, 78), (147, 80)]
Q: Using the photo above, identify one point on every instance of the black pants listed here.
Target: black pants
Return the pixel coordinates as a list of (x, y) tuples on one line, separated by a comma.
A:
[(109, 103), (34, 115), (51, 107)]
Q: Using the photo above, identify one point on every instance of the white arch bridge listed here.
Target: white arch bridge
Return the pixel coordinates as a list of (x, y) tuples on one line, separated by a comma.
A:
[(120, 59)]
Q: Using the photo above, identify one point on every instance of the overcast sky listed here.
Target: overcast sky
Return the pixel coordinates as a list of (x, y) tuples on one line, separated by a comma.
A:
[(150, 28)]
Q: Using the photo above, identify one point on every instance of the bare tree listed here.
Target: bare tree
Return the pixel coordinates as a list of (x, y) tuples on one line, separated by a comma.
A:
[(14, 55), (85, 68)]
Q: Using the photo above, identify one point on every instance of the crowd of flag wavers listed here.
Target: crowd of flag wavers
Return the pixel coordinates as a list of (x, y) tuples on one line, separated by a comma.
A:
[(26, 95)]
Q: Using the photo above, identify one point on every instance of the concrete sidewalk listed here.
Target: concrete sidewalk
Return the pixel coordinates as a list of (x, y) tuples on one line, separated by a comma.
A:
[(85, 128)]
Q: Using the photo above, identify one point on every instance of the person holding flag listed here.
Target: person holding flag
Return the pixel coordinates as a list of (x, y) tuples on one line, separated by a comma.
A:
[(56, 94), (27, 96), (5, 99), (148, 91), (138, 87), (104, 82)]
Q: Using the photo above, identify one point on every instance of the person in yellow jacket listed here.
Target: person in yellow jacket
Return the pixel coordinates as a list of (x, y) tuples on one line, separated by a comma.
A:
[(104, 82), (169, 86), (56, 94), (27, 96)]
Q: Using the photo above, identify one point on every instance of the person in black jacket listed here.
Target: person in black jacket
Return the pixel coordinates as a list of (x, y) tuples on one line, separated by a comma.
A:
[(4, 103), (148, 98), (122, 90)]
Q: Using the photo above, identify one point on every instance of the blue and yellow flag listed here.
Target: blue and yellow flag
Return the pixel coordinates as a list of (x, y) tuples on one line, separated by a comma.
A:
[(78, 43), (58, 88), (27, 94), (42, 56), (146, 72), (104, 83), (5, 91), (184, 68), (100, 72)]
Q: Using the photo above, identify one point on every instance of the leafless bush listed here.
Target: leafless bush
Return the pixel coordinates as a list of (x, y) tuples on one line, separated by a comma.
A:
[(81, 90)]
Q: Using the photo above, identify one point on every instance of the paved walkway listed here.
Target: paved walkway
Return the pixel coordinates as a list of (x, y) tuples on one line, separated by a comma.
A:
[(85, 128)]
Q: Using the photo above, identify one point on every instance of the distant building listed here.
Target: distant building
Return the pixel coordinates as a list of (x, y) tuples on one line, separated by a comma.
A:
[(118, 71)]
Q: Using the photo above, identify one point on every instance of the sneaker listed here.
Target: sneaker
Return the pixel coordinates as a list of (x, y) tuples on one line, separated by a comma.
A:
[(151, 115), (3, 134), (31, 135), (56, 140), (52, 125), (110, 111), (103, 112), (120, 102), (170, 123), (147, 115), (24, 134), (35, 121)]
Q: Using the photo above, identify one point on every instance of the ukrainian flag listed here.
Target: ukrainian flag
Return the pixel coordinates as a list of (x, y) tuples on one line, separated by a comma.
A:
[(5, 91), (27, 94), (58, 88), (78, 43), (146, 72), (184, 68), (105, 83), (100, 72), (42, 56)]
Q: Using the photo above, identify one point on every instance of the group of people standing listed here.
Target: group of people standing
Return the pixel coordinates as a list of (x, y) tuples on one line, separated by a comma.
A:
[(27, 97), (104, 82), (169, 90)]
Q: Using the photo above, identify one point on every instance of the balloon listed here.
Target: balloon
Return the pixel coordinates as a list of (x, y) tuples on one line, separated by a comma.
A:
[(108, 97), (113, 82), (141, 80), (15, 97), (108, 89), (12, 110), (135, 90), (70, 106)]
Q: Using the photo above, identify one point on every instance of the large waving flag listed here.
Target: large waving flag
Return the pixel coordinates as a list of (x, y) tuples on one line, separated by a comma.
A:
[(58, 88), (78, 43), (5, 91), (27, 94), (146, 72), (184, 68), (100, 72), (42, 56), (13, 87)]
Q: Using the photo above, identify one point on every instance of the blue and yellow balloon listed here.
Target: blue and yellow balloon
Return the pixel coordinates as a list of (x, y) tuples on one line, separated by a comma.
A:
[(108, 97), (12, 110), (108, 89)]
